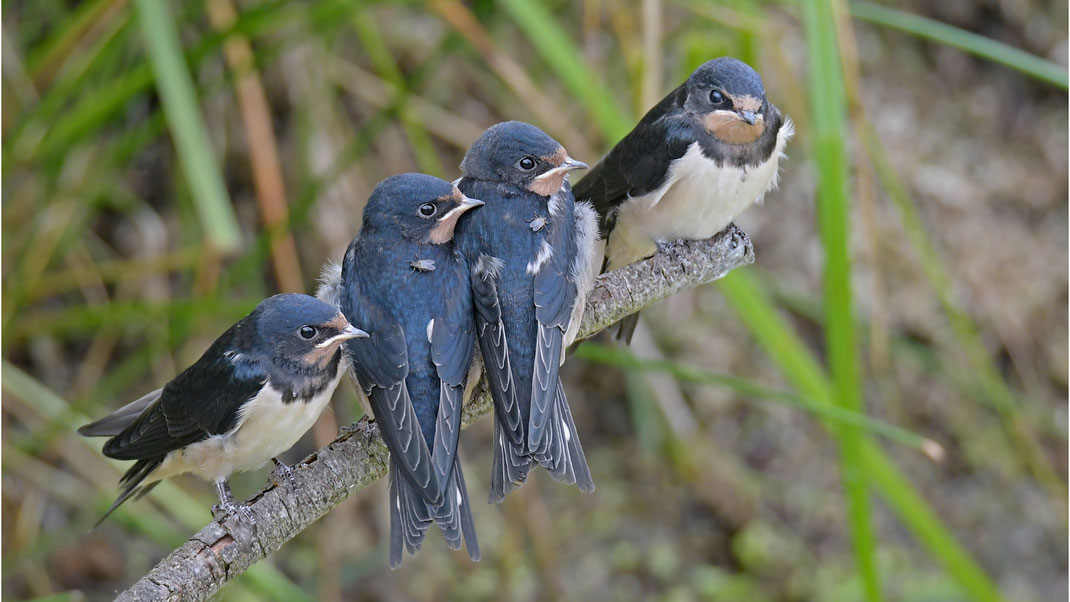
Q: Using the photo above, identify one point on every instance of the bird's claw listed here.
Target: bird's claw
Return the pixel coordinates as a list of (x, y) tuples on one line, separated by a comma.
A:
[(739, 237), (350, 429), (284, 471), (677, 248), (222, 510), (227, 506)]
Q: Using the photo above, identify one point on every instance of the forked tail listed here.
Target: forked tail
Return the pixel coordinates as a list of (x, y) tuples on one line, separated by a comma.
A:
[(411, 515)]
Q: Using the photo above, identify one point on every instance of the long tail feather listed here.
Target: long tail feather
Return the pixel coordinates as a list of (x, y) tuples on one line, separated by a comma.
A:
[(454, 515), (114, 423), (130, 484), (563, 456), (509, 467), (626, 328), (409, 517)]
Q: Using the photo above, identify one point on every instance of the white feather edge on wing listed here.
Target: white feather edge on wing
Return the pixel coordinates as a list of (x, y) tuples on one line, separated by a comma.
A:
[(488, 266), (449, 402)]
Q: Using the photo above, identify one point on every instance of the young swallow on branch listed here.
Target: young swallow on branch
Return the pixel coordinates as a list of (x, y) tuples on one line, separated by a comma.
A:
[(531, 250), (250, 397), (405, 281), (697, 160)]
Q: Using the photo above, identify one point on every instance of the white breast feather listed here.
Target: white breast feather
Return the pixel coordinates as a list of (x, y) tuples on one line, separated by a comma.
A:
[(585, 265), (266, 428), (330, 283), (699, 198)]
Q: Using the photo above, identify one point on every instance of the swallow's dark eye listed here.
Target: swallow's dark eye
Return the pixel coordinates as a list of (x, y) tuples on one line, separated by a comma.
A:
[(716, 97), (428, 209), (526, 164), (307, 332)]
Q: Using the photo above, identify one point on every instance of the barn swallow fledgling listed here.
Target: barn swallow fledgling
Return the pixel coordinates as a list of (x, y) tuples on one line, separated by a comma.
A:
[(531, 251), (249, 398), (404, 280), (697, 160)]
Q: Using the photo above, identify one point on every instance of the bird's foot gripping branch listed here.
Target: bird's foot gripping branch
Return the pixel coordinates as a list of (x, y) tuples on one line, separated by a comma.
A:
[(223, 550)]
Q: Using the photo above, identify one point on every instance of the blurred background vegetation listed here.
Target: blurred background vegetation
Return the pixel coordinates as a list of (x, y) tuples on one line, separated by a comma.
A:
[(168, 164)]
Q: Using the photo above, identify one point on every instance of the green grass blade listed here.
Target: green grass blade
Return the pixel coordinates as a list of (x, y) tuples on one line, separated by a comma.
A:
[(622, 358), (987, 48), (187, 128), (761, 319), (926, 526), (797, 363), (82, 319), (71, 125), (46, 57), (828, 106), (566, 60)]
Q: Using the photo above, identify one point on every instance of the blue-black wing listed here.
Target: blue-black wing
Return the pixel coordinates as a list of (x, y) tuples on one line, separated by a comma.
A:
[(552, 436), (638, 163), (555, 296), (203, 400), (380, 364), (452, 345), (494, 346), (636, 166), (511, 462)]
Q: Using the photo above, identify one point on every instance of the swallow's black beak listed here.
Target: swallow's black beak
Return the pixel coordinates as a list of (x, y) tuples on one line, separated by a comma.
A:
[(349, 332), (465, 204), (566, 166), (574, 164), (748, 116), (352, 332)]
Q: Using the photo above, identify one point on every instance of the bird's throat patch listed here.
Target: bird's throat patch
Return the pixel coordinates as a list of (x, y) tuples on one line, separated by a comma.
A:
[(728, 127), (550, 184), (443, 231)]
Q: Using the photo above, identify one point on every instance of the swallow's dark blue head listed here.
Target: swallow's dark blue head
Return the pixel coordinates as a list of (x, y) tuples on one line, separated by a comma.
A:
[(300, 329), (520, 154), (728, 99), (419, 207)]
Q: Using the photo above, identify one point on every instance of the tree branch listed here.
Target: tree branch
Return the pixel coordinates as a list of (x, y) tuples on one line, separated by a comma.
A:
[(222, 551)]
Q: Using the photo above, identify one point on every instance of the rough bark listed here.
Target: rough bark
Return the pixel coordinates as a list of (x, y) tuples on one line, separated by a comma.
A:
[(223, 550)]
